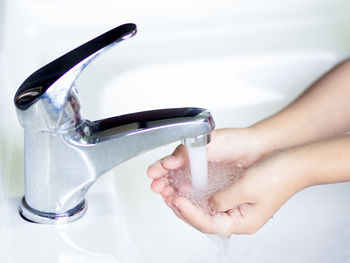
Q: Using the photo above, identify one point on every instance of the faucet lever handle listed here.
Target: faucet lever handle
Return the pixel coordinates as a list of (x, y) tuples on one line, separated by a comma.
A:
[(68, 67)]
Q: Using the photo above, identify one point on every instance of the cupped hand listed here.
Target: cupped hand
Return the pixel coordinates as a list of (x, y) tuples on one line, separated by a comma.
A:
[(246, 205), (227, 146)]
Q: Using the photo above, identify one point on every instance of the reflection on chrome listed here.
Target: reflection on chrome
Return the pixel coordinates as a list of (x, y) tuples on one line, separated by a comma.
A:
[(65, 154)]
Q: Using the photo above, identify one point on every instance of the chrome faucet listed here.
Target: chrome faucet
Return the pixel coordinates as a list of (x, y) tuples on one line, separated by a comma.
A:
[(65, 154)]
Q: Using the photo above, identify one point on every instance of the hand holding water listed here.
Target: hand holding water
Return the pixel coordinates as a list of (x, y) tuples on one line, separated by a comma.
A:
[(251, 200), (228, 145), (309, 135)]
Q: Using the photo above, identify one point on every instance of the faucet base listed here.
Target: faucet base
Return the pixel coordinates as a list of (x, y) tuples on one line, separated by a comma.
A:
[(36, 216)]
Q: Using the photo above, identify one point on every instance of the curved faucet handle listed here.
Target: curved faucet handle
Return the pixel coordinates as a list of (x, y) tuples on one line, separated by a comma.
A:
[(68, 66)]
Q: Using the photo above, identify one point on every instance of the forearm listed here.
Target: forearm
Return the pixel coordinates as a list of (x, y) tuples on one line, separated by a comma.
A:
[(321, 162), (322, 111)]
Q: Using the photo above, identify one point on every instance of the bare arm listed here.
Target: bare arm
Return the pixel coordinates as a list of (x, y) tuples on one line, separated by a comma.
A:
[(253, 200), (305, 158), (322, 111)]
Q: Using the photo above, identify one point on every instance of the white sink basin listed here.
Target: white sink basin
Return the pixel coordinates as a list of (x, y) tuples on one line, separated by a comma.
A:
[(242, 66), (312, 227)]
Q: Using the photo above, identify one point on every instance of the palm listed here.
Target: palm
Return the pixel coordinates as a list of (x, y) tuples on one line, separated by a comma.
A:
[(227, 146)]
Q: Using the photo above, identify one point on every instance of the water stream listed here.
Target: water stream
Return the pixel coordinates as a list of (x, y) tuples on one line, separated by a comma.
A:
[(219, 176), (198, 180), (199, 166)]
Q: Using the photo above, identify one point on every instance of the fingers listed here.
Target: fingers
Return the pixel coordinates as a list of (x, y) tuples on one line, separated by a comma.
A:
[(196, 217), (243, 219), (169, 201), (159, 184), (243, 203), (177, 159), (159, 171), (168, 191), (156, 170), (174, 161), (193, 214), (236, 206), (248, 218), (233, 196)]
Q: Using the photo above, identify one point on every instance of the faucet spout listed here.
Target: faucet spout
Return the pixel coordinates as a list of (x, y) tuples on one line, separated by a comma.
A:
[(121, 138)]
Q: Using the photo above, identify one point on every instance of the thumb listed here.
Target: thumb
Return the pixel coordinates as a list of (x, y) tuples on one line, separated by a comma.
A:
[(236, 194)]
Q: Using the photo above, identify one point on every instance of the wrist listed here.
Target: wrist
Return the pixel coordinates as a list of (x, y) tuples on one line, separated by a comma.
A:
[(298, 166)]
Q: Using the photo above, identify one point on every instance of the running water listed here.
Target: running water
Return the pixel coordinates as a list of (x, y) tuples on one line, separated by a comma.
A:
[(199, 166), (219, 176)]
